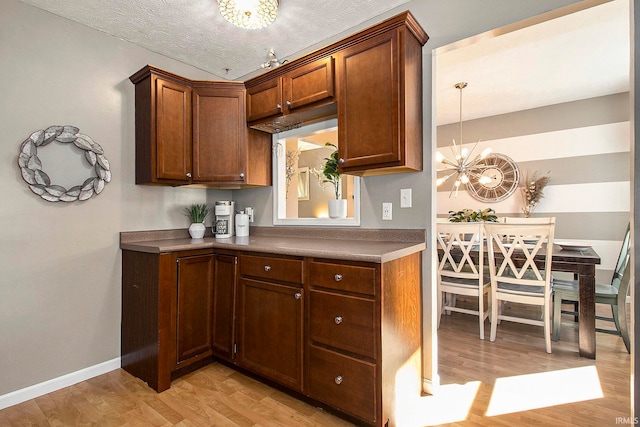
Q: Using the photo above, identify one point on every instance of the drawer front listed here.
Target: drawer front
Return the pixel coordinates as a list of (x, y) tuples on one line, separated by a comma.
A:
[(343, 277), (346, 323), (279, 269), (344, 382)]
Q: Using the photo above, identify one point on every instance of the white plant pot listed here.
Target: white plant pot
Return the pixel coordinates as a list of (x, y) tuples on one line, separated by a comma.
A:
[(196, 230), (338, 208)]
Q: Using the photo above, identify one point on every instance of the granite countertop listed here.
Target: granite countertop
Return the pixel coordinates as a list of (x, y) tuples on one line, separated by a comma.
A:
[(367, 245)]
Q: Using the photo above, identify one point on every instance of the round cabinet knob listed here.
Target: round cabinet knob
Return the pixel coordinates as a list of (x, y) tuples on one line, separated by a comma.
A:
[(338, 379), (188, 174), (338, 320), (242, 176), (338, 277), (298, 295), (341, 161), (288, 103), (279, 107), (267, 268)]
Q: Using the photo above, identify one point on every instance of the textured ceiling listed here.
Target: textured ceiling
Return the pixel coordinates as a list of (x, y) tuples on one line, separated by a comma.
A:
[(195, 33)]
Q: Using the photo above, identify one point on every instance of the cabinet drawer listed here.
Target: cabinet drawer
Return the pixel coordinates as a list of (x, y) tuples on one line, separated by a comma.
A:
[(281, 269), (344, 382), (343, 277), (346, 323)]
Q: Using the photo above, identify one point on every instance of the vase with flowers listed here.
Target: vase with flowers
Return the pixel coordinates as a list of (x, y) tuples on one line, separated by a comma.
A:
[(532, 192), (197, 214)]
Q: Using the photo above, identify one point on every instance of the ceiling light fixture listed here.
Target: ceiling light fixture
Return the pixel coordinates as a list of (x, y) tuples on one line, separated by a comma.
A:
[(250, 14), (464, 165)]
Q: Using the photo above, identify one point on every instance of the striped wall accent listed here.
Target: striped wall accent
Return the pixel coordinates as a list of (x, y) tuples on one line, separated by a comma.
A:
[(585, 147)]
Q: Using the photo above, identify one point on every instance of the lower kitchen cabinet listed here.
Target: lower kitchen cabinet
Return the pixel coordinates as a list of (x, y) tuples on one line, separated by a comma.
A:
[(270, 318), (224, 313), (346, 334)]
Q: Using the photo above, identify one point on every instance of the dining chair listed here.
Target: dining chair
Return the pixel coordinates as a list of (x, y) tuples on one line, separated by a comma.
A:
[(614, 294), (458, 272), (515, 276)]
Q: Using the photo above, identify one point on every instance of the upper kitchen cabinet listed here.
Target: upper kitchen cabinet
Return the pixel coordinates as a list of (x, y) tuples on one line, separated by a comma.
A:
[(371, 81), (195, 133), (379, 91), (304, 94)]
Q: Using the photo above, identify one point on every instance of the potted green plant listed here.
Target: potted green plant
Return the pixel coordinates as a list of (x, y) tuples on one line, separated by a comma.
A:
[(332, 175), (469, 215), (197, 214)]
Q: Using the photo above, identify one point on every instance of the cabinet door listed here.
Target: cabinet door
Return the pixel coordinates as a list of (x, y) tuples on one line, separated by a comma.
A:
[(264, 100), (173, 131), (368, 90), (194, 307), (270, 331), (308, 84), (219, 135), (224, 296)]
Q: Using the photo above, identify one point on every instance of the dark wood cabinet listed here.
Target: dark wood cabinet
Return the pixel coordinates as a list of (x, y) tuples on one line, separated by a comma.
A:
[(364, 322), (270, 319), (166, 313), (194, 314), (302, 95), (224, 299), (195, 133), (371, 81), (379, 90), (163, 129)]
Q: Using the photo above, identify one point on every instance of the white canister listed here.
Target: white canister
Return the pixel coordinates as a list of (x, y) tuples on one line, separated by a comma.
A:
[(242, 224)]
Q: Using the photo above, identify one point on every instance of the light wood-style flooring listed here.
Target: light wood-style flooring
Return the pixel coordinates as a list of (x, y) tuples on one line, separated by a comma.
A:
[(510, 382)]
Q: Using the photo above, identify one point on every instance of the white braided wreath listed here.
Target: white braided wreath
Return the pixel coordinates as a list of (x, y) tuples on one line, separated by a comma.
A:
[(40, 183)]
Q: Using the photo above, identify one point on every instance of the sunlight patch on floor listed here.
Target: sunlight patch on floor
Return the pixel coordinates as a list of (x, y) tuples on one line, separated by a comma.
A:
[(451, 404), (544, 389)]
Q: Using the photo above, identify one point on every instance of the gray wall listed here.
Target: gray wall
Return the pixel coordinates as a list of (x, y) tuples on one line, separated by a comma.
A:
[(60, 270)]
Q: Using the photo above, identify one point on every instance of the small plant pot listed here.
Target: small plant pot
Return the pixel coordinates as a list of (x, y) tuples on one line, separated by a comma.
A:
[(338, 208), (196, 230)]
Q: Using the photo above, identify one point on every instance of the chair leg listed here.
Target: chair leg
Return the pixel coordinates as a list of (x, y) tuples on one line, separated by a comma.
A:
[(494, 319), (481, 314), (547, 324), (557, 319), (620, 318), (440, 297)]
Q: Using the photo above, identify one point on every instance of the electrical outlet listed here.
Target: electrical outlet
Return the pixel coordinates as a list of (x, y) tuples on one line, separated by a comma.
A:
[(386, 211), (405, 198), (249, 211)]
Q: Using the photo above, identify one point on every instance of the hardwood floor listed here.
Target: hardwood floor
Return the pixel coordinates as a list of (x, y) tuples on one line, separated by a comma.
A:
[(509, 382)]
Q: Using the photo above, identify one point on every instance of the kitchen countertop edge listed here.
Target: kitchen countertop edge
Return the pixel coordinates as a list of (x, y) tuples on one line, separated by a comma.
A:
[(378, 246)]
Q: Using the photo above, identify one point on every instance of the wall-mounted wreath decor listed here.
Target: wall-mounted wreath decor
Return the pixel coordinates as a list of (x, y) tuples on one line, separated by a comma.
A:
[(40, 183)]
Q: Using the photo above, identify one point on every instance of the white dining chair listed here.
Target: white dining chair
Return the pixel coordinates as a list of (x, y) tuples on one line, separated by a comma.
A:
[(460, 273), (515, 276)]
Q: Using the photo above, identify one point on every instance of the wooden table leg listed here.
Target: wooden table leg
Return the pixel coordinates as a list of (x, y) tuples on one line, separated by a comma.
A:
[(587, 311)]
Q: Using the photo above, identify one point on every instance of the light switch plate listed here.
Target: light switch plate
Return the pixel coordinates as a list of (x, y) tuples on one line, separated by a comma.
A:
[(386, 211), (405, 198)]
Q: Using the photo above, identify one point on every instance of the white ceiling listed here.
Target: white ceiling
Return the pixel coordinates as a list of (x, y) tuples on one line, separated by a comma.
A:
[(577, 56), (195, 33)]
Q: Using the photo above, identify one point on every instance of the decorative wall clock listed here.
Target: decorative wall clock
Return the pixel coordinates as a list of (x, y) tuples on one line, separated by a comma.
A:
[(40, 183), (498, 178)]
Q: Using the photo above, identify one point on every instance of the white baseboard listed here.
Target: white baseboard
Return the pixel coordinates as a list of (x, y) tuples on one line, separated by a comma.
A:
[(31, 392)]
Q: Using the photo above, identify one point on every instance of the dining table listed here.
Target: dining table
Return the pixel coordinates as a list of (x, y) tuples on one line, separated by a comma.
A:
[(582, 263)]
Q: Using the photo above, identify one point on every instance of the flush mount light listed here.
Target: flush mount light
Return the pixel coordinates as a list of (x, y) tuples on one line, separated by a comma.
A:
[(250, 14)]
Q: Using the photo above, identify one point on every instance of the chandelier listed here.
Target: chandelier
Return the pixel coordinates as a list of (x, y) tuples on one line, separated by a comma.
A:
[(463, 165), (250, 14)]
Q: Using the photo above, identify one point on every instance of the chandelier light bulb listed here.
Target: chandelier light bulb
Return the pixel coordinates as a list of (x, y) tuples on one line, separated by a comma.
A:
[(464, 179), (439, 157)]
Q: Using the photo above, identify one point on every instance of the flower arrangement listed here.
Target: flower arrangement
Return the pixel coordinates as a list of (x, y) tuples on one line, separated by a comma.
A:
[(197, 213), (291, 165), (469, 215), (532, 192)]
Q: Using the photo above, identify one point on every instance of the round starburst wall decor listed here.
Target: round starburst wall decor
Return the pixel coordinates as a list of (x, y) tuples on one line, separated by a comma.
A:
[(40, 183)]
